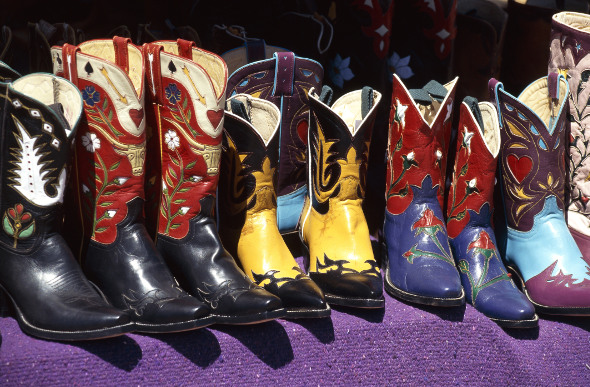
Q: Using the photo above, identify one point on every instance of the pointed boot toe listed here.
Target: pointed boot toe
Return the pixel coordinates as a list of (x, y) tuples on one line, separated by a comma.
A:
[(302, 298), (175, 315), (437, 285), (509, 309), (354, 290), (250, 307)]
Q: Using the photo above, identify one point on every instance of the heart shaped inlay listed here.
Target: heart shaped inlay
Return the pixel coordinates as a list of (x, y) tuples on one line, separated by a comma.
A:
[(519, 166), (302, 127), (136, 116), (215, 117)]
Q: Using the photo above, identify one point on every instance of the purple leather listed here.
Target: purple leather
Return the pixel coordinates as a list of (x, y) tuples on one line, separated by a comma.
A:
[(290, 96)]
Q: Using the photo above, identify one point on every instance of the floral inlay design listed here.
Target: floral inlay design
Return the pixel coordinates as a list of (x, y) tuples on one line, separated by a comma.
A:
[(18, 224)]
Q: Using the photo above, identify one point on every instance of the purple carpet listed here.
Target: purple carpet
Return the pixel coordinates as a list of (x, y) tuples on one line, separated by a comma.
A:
[(403, 344)]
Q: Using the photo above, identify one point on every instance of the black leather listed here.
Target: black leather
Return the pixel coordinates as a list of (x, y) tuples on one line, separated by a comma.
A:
[(38, 272), (207, 271), (132, 275)]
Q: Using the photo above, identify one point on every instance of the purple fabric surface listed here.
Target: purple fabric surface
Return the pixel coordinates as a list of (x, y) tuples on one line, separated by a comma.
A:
[(403, 344)]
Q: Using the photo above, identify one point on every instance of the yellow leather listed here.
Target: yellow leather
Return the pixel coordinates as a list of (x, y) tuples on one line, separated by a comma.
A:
[(259, 246), (342, 233)]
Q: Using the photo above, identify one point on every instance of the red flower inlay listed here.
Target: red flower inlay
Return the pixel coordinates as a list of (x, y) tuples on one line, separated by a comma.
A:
[(427, 220), (483, 241)]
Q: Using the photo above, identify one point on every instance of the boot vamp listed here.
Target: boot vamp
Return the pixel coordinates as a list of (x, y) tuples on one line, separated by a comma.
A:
[(132, 274), (419, 256), (49, 289), (549, 260)]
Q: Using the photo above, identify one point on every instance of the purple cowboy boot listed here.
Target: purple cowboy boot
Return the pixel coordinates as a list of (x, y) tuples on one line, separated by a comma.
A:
[(487, 285), (538, 245), (283, 79), (570, 56), (419, 266)]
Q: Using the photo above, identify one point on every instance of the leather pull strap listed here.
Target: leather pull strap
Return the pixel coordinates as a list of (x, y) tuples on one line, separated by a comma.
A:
[(367, 101), (151, 55), (255, 50), (284, 73), (493, 86), (185, 48), (68, 53), (122, 52), (553, 85)]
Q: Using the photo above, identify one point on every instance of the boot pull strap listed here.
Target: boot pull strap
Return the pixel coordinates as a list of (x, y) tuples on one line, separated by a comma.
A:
[(255, 50), (151, 54), (431, 91), (326, 95), (473, 105), (185, 48), (553, 89), (239, 109), (122, 52), (68, 53), (367, 101), (493, 86), (284, 73)]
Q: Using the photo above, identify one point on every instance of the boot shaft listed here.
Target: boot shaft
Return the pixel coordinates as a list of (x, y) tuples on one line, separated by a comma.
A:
[(187, 97), (110, 146), (35, 141), (418, 143), (478, 145), (532, 155), (339, 138), (285, 80), (250, 157)]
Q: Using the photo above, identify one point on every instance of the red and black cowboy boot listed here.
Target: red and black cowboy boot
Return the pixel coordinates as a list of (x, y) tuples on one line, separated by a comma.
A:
[(38, 272), (187, 90), (116, 251)]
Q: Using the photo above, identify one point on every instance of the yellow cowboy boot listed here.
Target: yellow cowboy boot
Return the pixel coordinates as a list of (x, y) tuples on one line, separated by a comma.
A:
[(332, 223), (248, 207)]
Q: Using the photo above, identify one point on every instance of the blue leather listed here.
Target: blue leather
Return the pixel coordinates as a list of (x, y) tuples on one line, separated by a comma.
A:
[(487, 286), (289, 208), (529, 250), (419, 273)]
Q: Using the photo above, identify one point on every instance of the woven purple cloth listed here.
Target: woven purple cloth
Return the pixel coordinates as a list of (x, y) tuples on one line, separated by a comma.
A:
[(403, 344)]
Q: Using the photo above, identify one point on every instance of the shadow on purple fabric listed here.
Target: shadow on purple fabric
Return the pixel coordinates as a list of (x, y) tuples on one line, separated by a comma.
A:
[(123, 352), (370, 315), (200, 346), (456, 313), (321, 328), (268, 341)]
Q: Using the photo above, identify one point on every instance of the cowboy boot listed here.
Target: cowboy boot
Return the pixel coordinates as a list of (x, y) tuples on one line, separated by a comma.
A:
[(42, 36), (538, 245), (52, 298), (247, 207), (116, 252), (487, 285), (332, 226), (570, 56), (284, 79), (187, 86), (419, 265)]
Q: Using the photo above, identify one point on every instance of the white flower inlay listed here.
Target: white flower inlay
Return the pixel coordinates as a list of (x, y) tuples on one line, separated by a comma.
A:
[(438, 154), (471, 183), (172, 140), (91, 142), (411, 155), (111, 213), (183, 210)]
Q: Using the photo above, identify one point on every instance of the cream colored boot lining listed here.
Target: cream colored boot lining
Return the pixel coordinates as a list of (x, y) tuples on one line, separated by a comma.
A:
[(536, 97), (50, 89), (105, 49), (491, 127), (211, 63), (579, 21), (264, 115), (348, 107)]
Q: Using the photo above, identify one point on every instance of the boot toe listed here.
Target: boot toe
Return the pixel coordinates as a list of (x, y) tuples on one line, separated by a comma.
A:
[(255, 301), (350, 285), (435, 281), (506, 306), (175, 311), (302, 293)]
